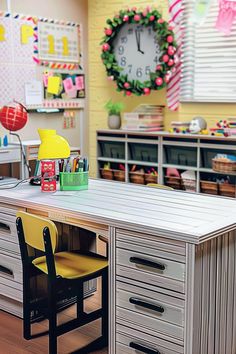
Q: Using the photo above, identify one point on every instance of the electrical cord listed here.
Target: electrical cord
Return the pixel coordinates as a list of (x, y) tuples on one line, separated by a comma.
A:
[(17, 184)]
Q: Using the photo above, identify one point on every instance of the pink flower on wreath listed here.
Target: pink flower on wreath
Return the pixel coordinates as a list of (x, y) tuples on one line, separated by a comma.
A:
[(160, 21), (137, 18), (158, 67), (146, 91), (108, 31), (111, 78), (170, 39), (125, 18), (105, 47), (171, 62), (128, 93), (126, 85), (151, 18), (171, 50), (165, 58), (159, 81)]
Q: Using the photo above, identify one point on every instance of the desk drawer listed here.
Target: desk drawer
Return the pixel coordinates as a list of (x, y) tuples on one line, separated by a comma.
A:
[(130, 341), (8, 230), (9, 155), (10, 268), (158, 307), (11, 277), (150, 269)]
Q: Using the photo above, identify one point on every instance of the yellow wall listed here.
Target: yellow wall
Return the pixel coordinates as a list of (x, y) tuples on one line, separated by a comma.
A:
[(101, 90)]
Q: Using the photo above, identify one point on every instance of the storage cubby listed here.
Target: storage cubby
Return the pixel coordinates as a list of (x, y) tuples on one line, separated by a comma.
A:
[(143, 152), (180, 155), (111, 149), (207, 154), (162, 150)]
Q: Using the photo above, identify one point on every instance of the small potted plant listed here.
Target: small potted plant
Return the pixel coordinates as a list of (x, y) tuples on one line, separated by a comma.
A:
[(114, 109)]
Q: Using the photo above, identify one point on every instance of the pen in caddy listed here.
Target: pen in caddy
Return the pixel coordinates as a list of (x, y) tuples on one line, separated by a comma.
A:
[(74, 173)]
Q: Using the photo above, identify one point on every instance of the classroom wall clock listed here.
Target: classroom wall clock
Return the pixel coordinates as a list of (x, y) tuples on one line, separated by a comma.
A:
[(139, 51)]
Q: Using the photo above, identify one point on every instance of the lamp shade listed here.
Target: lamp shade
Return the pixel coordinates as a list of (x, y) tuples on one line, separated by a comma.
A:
[(52, 146)]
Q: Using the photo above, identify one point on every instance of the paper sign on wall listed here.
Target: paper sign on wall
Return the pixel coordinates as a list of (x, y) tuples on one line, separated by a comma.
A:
[(33, 93)]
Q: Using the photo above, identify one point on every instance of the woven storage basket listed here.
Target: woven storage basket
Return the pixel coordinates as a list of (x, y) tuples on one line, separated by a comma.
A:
[(209, 187), (220, 165), (106, 174), (136, 177), (174, 182), (190, 185), (227, 190), (119, 175), (149, 178)]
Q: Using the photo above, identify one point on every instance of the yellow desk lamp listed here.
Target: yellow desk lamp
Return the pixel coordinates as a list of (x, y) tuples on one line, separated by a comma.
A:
[(53, 146)]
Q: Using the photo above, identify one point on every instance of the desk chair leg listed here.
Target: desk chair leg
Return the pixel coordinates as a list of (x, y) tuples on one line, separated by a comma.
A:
[(52, 309), (26, 308), (105, 307), (80, 301)]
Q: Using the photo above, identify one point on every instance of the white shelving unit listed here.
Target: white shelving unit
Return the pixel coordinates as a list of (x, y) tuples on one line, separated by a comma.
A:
[(161, 150)]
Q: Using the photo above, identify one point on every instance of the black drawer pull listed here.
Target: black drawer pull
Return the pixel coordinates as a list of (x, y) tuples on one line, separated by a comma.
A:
[(147, 263), (4, 226), (143, 349), (147, 305), (6, 271)]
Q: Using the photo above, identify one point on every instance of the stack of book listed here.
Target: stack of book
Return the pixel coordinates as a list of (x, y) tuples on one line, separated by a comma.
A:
[(145, 118)]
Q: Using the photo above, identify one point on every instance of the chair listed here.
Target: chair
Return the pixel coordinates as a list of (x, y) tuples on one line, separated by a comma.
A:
[(66, 273), (161, 186), (105, 240)]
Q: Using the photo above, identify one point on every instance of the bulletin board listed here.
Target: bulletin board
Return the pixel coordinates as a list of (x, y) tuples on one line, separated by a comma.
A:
[(40, 62)]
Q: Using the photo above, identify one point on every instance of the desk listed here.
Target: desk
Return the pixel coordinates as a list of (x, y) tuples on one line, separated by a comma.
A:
[(31, 153), (172, 262)]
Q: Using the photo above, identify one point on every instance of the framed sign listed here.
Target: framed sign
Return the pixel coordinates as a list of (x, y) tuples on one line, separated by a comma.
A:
[(58, 43)]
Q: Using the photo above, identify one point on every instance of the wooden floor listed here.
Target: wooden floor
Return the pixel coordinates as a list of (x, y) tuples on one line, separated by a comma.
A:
[(11, 341)]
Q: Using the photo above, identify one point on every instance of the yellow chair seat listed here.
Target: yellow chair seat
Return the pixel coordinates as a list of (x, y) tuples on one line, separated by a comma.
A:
[(71, 265)]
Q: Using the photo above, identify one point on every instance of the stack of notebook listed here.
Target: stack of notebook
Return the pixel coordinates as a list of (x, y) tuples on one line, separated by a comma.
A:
[(145, 118)]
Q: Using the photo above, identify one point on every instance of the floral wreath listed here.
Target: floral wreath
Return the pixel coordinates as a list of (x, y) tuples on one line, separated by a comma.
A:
[(166, 41)]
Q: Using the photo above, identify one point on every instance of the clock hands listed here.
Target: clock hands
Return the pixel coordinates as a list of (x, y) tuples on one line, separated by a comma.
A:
[(137, 35)]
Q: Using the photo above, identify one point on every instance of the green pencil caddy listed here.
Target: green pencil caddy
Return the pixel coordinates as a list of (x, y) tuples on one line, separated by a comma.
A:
[(74, 181)]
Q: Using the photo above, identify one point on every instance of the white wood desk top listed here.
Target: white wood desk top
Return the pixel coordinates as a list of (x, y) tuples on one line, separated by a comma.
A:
[(177, 215)]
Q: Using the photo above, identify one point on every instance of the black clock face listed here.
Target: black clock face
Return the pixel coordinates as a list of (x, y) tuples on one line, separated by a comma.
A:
[(137, 51)]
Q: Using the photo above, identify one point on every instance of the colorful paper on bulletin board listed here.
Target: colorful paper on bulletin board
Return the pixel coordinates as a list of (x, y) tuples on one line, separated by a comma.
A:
[(16, 63), (68, 89), (79, 82), (5, 40), (58, 43), (46, 75), (23, 52), (54, 85)]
